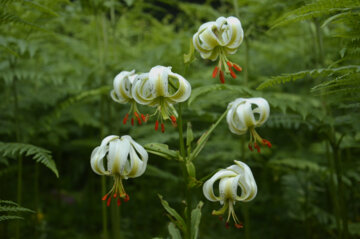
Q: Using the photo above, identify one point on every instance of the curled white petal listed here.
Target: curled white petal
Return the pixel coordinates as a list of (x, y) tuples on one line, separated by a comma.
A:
[(238, 175), (226, 33), (246, 113), (122, 86), (125, 157)]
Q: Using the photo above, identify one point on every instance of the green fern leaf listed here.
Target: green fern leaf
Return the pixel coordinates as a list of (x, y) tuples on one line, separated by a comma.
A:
[(40, 155), (10, 217), (316, 9)]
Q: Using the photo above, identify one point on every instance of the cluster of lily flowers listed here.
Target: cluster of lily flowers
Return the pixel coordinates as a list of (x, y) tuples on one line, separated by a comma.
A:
[(161, 88)]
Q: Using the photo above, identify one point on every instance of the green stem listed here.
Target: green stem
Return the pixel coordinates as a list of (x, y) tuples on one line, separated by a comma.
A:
[(338, 171), (185, 174), (20, 160), (333, 188), (245, 207)]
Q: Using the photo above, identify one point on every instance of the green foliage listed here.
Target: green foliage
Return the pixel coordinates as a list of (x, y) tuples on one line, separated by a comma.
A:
[(11, 207), (40, 155)]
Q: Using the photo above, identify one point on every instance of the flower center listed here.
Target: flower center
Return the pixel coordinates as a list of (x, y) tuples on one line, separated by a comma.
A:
[(134, 112), (228, 66), (116, 192), (163, 112), (255, 138), (228, 205)]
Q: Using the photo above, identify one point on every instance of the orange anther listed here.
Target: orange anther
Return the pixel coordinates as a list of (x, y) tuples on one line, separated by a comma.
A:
[(156, 125), (108, 201), (132, 121), (114, 195), (229, 64), (267, 143), (162, 127), (257, 147), (232, 73), (127, 198), (250, 147), (240, 225), (104, 197), (227, 225), (118, 202), (125, 118), (222, 77), (215, 72), (237, 67)]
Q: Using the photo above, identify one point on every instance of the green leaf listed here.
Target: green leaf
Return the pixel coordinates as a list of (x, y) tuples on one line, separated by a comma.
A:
[(40, 155), (173, 231), (189, 137), (162, 150), (188, 58), (174, 216), (195, 220), (203, 139)]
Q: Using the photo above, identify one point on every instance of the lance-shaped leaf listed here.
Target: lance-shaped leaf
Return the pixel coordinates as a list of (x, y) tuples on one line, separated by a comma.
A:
[(173, 231), (173, 215), (203, 139), (195, 220), (162, 150), (190, 57), (189, 137)]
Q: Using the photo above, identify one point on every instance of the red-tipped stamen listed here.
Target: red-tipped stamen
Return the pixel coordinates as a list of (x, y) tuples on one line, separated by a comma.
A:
[(240, 225), (227, 225), (156, 125), (125, 118), (215, 72), (127, 198), (173, 120), (257, 147), (229, 64), (104, 197), (132, 121), (162, 127), (221, 218), (232, 73), (143, 117), (108, 201), (138, 118), (267, 143), (118, 202), (114, 195), (250, 147), (222, 77), (237, 67)]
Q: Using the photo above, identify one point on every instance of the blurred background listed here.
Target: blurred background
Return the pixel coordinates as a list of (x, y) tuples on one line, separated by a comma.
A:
[(58, 60)]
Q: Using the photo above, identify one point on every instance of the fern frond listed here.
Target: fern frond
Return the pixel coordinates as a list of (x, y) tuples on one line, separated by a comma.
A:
[(40, 155), (278, 80), (287, 121), (10, 217), (7, 206), (316, 9)]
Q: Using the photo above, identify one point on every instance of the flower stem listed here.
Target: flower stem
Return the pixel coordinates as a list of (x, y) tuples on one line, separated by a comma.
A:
[(185, 174)]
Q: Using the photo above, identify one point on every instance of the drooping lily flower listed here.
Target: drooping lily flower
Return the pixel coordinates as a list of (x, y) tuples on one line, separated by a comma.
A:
[(122, 94), (247, 114), (217, 40), (237, 175), (125, 159), (161, 88)]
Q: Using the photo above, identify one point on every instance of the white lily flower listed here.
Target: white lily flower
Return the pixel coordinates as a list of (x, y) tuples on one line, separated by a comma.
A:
[(238, 175), (161, 88), (122, 93), (247, 114), (125, 159), (219, 39)]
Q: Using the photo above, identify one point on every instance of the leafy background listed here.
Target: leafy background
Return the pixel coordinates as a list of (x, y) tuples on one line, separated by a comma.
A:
[(57, 62)]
